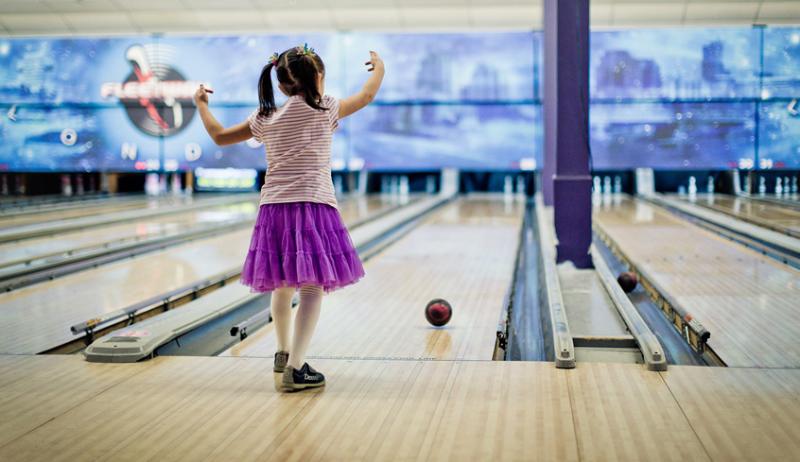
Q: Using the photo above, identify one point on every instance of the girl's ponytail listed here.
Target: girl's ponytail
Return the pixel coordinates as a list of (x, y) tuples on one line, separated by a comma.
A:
[(266, 97), (305, 70)]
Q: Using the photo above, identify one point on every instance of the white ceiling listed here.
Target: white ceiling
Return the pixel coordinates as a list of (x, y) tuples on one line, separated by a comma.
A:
[(80, 17)]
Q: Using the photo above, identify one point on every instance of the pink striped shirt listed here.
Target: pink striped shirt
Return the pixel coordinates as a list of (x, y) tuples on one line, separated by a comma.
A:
[(297, 139)]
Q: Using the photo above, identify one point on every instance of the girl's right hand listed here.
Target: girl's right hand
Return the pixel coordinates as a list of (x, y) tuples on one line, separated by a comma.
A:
[(201, 95), (375, 62)]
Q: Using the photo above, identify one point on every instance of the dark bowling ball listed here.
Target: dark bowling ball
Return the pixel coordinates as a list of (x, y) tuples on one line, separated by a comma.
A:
[(627, 281), (438, 312)]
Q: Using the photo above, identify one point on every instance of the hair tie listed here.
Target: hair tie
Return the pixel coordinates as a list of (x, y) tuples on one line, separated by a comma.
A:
[(305, 50), (274, 59)]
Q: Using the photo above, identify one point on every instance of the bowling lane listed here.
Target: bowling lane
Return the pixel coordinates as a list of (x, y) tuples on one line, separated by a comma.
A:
[(746, 300), (207, 408), (107, 206), (38, 317), (146, 228), (31, 204), (769, 215), (464, 253)]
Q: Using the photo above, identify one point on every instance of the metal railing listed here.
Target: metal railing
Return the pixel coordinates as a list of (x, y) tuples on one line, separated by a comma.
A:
[(563, 346)]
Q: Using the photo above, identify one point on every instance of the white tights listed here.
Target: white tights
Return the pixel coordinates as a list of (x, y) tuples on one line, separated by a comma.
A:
[(305, 320)]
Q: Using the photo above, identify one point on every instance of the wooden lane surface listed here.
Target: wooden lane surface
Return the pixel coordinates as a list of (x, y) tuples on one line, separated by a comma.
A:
[(7, 209), (38, 317), (773, 216), (463, 253), (746, 300), (217, 408), (128, 231), (624, 412), (97, 209), (741, 414), (33, 390)]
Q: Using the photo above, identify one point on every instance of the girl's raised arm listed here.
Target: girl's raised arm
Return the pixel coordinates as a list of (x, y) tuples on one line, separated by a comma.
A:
[(221, 135), (358, 101)]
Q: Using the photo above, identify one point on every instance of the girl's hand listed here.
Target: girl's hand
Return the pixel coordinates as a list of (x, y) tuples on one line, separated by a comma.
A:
[(375, 62), (201, 95), (367, 94)]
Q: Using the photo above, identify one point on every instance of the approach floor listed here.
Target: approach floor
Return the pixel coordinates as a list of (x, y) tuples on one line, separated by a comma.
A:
[(55, 408)]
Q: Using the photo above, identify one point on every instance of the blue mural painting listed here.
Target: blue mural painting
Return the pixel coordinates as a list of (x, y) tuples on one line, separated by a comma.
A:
[(673, 135), (665, 98), (675, 64), (427, 137), (781, 75)]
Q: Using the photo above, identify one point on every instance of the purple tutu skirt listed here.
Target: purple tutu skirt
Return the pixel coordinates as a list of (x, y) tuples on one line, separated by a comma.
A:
[(297, 244)]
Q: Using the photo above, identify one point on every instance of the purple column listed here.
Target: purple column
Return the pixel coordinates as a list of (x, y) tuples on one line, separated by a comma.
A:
[(550, 80), (567, 182)]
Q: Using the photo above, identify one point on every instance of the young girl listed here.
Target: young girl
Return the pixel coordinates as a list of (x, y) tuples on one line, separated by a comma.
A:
[(299, 241)]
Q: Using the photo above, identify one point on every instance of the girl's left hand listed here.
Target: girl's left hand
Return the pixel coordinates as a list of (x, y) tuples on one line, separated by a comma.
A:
[(201, 95)]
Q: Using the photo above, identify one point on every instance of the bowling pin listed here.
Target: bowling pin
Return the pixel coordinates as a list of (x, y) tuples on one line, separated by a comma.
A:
[(521, 185), (710, 185), (508, 186), (794, 185), (104, 182), (692, 187), (430, 184), (786, 185), (596, 196), (617, 185), (66, 185), (175, 184), (762, 186), (384, 184), (404, 188), (778, 187), (607, 185), (151, 184), (19, 184), (79, 185), (363, 182), (337, 186), (737, 182), (681, 190), (162, 183)]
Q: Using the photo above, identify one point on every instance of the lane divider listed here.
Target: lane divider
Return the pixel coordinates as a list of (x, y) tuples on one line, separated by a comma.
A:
[(563, 346), (648, 344)]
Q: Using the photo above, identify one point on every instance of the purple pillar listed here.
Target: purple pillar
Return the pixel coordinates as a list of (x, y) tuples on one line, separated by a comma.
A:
[(550, 107), (567, 182)]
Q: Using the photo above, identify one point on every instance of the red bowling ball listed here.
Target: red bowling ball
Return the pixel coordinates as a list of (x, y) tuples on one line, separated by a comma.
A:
[(438, 312), (627, 281)]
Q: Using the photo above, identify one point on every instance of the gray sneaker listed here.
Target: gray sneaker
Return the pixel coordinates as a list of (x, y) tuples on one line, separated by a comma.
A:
[(281, 359), (300, 379)]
